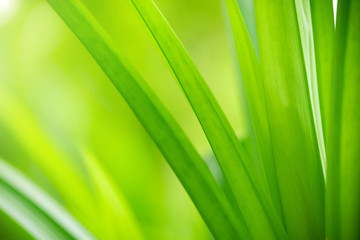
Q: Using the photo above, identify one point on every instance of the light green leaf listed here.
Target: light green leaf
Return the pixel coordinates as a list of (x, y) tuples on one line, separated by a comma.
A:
[(34, 210), (161, 126), (291, 122)]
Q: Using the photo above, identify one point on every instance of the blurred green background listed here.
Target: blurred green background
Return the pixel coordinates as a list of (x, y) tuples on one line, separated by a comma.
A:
[(57, 108)]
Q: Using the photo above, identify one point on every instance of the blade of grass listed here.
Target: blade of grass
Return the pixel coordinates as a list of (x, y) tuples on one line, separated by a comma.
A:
[(251, 73), (303, 13), (215, 169), (323, 32), (34, 210), (291, 122), (248, 14), (343, 189), (246, 184), (12, 228), (350, 131), (161, 126), (333, 138)]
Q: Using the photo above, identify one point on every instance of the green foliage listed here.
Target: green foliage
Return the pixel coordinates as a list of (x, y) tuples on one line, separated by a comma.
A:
[(296, 151), (295, 173), (164, 130), (343, 148), (40, 215)]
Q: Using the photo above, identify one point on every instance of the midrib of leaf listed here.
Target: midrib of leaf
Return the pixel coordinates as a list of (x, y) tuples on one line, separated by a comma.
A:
[(291, 122), (246, 184), (343, 189), (251, 73), (35, 211), (161, 126)]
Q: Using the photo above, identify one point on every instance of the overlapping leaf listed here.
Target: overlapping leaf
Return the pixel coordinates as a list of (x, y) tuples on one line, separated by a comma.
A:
[(247, 185), (172, 142), (252, 78), (291, 122)]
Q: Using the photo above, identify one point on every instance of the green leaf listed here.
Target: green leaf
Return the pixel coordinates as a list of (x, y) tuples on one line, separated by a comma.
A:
[(247, 185), (291, 122), (11, 228), (323, 33), (161, 126), (215, 169), (304, 17), (343, 186), (251, 74), (34, 210)]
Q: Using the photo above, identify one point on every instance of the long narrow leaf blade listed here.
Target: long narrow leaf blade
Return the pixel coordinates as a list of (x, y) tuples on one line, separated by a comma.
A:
[(291, 122), (246, 184), (251, 73), (34, 210), (304, 17), (323, 31), (350, 131), (343, 186), (166, 133)]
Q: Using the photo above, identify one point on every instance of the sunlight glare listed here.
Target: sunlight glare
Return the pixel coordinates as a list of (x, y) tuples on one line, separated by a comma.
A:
[(8, 9)]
